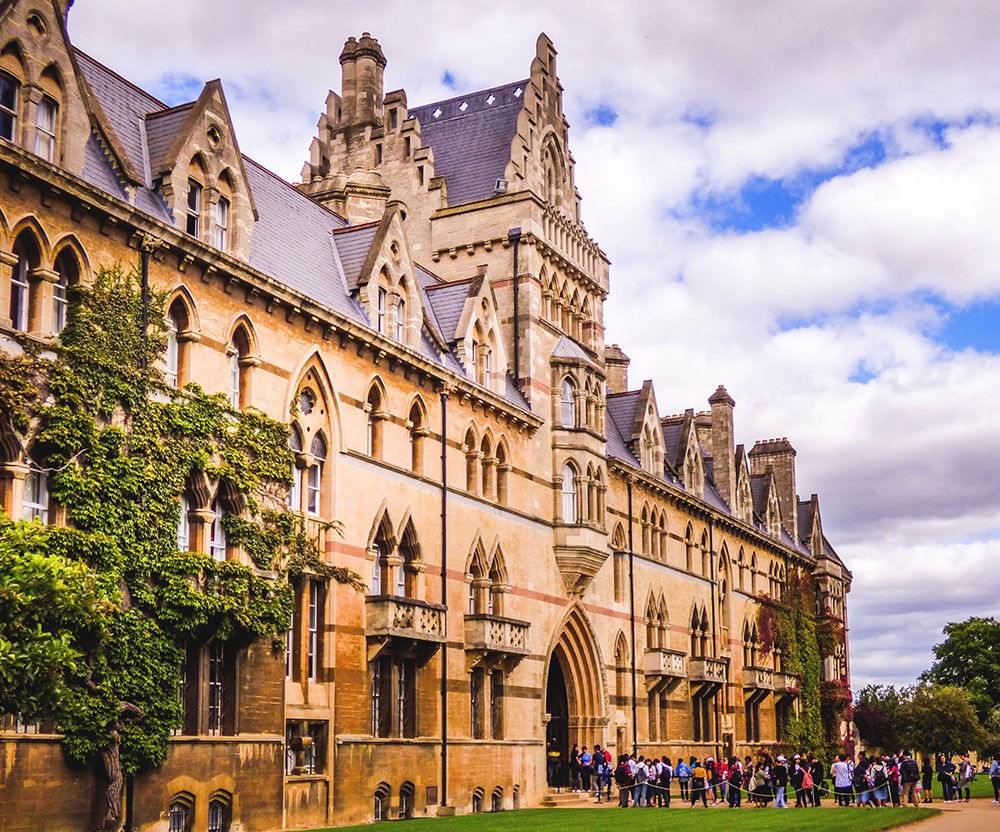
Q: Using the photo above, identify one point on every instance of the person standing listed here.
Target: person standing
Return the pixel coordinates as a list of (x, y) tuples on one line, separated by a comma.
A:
[(842, 775), (909, 777), (597, 763), (574, 768), (946, 776), (818, 776), (966, 774), (640, 784), (995, 777), (666, 778), (780, 775), (553, 762), (623, 779), (722, 770), (735, 782), (893, 765), (683, 775), (699, 783), (927, 780)]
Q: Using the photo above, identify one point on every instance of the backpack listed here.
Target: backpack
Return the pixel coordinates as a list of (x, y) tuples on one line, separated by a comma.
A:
[(622, 777), (807, 779), (879, 777), (641, 775), (909, 772)]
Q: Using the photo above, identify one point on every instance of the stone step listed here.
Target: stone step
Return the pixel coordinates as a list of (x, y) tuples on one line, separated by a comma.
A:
[(566, 799)]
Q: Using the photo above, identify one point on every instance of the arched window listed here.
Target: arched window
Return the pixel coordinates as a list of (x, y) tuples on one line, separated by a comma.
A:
[(374, 409), (383, 547), (314, 480), (567, 404), (753, 574), (35, 505), (240, 365), (487, 463), (184, 526), (406, 801), (178, 817), (192, 214), (381, 803), (652, 626), (295, 491), (28, 258), (569, 491), (503, 470), (218, 816), (646, 527), (477, 801), (621, 669), (496, 803), (179, 338), (218, 547), (418, 432), (408, 571), (381, 299), (471, 448), (68, 272), (10, 90), (221, 213), (400, 334), (46, 115)]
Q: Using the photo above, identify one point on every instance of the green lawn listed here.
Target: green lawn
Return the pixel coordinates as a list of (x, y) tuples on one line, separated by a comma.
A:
[(676, 820)]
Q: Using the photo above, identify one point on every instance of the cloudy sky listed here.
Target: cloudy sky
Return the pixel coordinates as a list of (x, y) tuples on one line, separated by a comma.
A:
[(799, 201)]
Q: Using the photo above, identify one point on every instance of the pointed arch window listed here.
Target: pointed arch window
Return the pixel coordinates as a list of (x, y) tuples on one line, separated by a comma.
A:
[(381, 298), (569, 494), (374, 408), (295, 491), (9, 94), (217, 811), (178, 818), (503, 471), (192, 221), (487, 468), (184, 526), (314, 478), (46, 114), (567, 404), (220, 231), (218, 546), (400, 334), (241, 363), (472, 456), (35, 505), (179, 340), (68, 273), (27, 256)]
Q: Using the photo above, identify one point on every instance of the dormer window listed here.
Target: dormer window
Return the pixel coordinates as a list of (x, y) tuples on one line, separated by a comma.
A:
[(567, 405), (401, 320), (193, 208), (380, 311), (9, 89), (45, 129), (220, 236)]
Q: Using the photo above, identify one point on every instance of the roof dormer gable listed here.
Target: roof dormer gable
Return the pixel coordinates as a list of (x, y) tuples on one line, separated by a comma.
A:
[(478, 335), (386, 284), (693, 462), (195, 161), (53, 109), (744, 494)]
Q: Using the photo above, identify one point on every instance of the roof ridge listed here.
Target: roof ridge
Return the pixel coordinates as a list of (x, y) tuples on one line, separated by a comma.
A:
[(454, 98), (346, 228), (444, 283), (169, 110), (266, 170)]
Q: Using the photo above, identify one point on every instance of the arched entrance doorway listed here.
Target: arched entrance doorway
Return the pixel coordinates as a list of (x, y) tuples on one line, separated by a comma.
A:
[(574, 698)]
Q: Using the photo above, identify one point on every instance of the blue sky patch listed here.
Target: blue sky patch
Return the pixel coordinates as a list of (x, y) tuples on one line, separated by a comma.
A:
[(175, 88), (862, 374), (448, 80), (602, 116), (975, 326)]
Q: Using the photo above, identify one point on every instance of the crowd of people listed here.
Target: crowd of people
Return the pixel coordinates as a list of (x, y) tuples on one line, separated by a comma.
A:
[(868, 781)]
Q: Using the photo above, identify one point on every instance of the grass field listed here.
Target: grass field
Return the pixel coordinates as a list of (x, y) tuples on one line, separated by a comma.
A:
[(676, 820)]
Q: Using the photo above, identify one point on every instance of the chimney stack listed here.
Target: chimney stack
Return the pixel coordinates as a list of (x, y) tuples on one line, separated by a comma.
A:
[(723, 445), (616, 366)]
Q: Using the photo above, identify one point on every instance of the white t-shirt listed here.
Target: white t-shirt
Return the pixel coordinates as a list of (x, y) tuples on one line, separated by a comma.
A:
[(841, 773)]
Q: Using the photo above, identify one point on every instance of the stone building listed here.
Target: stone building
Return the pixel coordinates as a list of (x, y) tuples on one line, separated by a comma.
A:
[(548, 558)]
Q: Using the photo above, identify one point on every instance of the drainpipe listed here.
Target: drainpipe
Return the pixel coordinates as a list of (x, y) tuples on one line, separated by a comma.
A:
[(514, 236), (444, 598), (631, 610), (144, 261)]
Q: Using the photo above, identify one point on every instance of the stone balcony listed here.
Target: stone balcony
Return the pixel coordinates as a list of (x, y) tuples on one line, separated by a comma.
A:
[(758, 678), (392, 616), (787, 684), (495, 634), (665, 664), (704, 669)]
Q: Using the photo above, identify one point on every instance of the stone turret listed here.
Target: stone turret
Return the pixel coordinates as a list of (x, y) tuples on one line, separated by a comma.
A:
[(779, 456), (362, 63), (723, 446)]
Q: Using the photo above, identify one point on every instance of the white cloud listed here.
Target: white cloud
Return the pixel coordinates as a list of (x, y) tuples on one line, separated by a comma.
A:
[(786, 318)]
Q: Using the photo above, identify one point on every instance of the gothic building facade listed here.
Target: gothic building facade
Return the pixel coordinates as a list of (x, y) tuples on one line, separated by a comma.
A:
[(548, 558)]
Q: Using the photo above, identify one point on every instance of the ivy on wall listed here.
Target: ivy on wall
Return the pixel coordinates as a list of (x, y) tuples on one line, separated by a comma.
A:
[(95, 614)]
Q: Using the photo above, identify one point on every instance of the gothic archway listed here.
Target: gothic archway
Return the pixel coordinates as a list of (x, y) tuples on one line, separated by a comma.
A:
[(574, 694)]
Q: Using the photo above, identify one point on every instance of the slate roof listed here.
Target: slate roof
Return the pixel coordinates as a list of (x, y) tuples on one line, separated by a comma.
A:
[(760, 487), (447, 301), (161, 130), (472, 145), (622, 408), (672, 430), (617, 446), (568, 348), (353, 244)]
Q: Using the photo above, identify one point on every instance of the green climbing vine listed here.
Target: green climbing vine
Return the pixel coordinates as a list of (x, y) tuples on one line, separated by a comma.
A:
[(95, 613), (791, 628)]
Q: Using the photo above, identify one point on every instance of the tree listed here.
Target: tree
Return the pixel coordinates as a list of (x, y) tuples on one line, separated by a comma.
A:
[(969, 657), (939, 719), (95, 616), (876, 714)]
